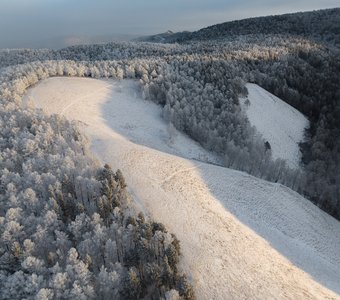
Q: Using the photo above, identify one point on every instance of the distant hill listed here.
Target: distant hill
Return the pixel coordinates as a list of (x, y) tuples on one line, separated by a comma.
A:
[(320, 24), (162, 37)]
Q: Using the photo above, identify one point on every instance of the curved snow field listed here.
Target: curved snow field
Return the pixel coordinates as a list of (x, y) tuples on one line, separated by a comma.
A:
[(279, 123), (241, 237)]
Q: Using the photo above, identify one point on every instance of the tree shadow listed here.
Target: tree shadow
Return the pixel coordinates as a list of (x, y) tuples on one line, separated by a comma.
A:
[(301, 232), (307, 236), (141, 122)]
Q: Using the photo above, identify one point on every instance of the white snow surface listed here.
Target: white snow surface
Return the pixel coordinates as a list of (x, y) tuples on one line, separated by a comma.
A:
[(241, 237), (279, 123)]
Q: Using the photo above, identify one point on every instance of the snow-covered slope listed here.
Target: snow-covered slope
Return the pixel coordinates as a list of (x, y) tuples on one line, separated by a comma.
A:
[(241, 237), (138, 120), (279, 123)]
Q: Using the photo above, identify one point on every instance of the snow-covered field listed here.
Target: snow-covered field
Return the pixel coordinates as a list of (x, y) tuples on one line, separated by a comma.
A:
[(241, 237), (279, 123)]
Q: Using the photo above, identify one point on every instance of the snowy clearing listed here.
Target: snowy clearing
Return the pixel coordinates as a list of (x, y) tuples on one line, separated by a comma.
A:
[(241, 237), (279, 123)]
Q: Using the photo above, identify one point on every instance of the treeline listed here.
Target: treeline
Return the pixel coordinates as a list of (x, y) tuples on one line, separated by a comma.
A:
[(200, 98), (68, 229), (111, 51), (205, 106)]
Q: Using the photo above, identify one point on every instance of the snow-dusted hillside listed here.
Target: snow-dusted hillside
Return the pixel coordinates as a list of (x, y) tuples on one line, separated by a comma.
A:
[(138, 120), (279, 123), (241, 237)]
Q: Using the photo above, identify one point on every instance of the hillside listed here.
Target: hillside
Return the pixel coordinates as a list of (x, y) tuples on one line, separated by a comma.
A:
[(280, 124), (240, 236), (322, 25)]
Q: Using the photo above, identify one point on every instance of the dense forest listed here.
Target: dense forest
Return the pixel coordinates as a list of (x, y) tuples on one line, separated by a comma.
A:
[(321, 25), (92, 241), (68, 227)]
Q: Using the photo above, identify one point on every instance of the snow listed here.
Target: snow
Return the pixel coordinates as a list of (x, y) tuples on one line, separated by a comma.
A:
[(279, 123), (241, 237)]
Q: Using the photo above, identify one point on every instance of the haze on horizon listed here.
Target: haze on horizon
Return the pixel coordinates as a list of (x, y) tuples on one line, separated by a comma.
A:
[(59, 23)]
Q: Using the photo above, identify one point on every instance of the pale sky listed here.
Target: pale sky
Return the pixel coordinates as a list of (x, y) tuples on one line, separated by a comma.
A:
[(56, 23)]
